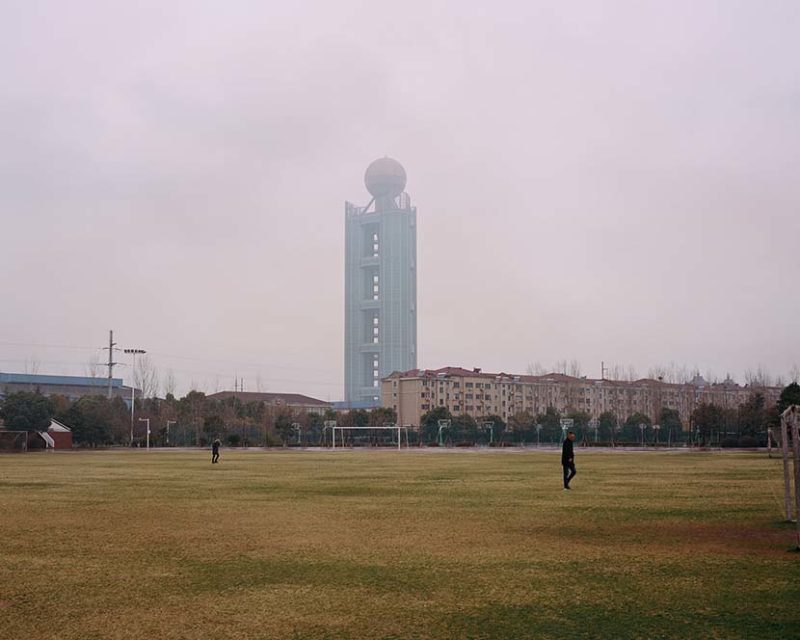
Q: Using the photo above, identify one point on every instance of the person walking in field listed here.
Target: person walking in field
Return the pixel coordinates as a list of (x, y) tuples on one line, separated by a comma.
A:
[(568, 459), (215, 451)]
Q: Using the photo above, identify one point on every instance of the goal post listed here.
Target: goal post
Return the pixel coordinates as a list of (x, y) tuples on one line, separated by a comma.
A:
[(386, 427), (13, 441)]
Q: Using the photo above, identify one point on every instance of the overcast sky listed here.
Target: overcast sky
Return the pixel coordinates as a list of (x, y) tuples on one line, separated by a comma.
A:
[(612, 180)]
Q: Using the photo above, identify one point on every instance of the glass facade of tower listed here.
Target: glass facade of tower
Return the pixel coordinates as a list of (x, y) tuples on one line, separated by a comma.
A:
[(380, 294)]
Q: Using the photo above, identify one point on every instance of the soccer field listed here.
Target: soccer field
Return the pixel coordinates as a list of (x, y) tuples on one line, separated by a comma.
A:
[(387, 544)]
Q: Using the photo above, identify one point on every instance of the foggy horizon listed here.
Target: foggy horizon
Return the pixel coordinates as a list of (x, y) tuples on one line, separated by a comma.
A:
[(611, 182)]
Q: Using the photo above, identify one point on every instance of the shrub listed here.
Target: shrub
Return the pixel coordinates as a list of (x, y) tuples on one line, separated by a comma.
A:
[(730, 442), (234, 439), (748, 442)]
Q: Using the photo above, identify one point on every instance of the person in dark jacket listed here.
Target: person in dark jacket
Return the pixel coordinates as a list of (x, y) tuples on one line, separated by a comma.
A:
[(568, 459), (215, 451)]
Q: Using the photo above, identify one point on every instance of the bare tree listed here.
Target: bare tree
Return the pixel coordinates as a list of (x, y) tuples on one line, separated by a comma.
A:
[(259, 384), (658, 372), (574, 369), (681, 375), (615, 372), (560, 366), (671, 373), (92, 366), (534, 369), (758, 377), (145, 377), (794, 373), (32, 365), (169, 383)]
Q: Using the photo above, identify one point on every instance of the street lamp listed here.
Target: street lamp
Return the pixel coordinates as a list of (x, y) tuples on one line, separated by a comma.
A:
[(490, 426), (443, 424), (147, 420), (538, 431), (169, 422), (133, 352), (642, 426), (656, 428)]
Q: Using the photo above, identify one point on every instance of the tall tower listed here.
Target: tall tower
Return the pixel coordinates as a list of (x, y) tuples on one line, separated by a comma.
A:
[(380, 283)]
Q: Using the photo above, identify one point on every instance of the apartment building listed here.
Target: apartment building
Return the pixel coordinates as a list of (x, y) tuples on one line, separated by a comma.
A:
[(413, 393)]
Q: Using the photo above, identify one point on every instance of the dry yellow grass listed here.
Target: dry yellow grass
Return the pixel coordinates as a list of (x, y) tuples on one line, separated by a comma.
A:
[(419, 544)]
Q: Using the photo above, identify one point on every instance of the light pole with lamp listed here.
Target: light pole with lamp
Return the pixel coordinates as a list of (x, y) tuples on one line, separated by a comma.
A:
[(134, 353), (642, 426), (490, 427), (443, 424), (147, 420)]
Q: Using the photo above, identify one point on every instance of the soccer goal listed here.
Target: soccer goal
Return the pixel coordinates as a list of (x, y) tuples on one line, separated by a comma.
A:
[(391, 428), (13, 441)]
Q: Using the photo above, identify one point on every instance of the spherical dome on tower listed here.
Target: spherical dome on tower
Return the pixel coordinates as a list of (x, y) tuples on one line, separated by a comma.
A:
[(385, 178)]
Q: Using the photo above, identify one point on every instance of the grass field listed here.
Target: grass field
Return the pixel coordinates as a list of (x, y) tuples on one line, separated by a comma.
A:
[(418, 544)]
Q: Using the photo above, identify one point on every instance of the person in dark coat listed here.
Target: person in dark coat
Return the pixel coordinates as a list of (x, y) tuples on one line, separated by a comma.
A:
[(215, 451), (568, 459)]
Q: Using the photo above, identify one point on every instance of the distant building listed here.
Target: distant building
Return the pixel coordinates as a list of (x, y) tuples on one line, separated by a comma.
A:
[(60, 434), (294, 401), (71, 387), (57, 436), (380, 284), (463, 391), (344, 405)]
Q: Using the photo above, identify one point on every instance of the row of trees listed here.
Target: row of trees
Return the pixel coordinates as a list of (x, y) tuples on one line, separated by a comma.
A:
[(191, 420), (196, 420), (744, 426), (544, 428)]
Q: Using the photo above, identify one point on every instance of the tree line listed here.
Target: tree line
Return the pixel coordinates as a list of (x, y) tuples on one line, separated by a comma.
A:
[(195, 420), (744, 426)]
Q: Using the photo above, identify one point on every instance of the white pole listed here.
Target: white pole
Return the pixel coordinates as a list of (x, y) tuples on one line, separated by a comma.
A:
[(796, 452), (133, 392), (333, 430), (398, 438), (787, 487)]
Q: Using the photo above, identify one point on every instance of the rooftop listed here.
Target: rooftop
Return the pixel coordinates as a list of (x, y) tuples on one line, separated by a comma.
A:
[(270, 398)]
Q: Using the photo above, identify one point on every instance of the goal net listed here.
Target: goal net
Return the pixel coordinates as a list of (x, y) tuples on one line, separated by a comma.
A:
[(13, 441), (389, 435)]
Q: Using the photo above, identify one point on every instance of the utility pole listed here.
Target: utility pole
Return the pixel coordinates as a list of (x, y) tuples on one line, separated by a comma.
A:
[(602, 370), (111, 363)]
